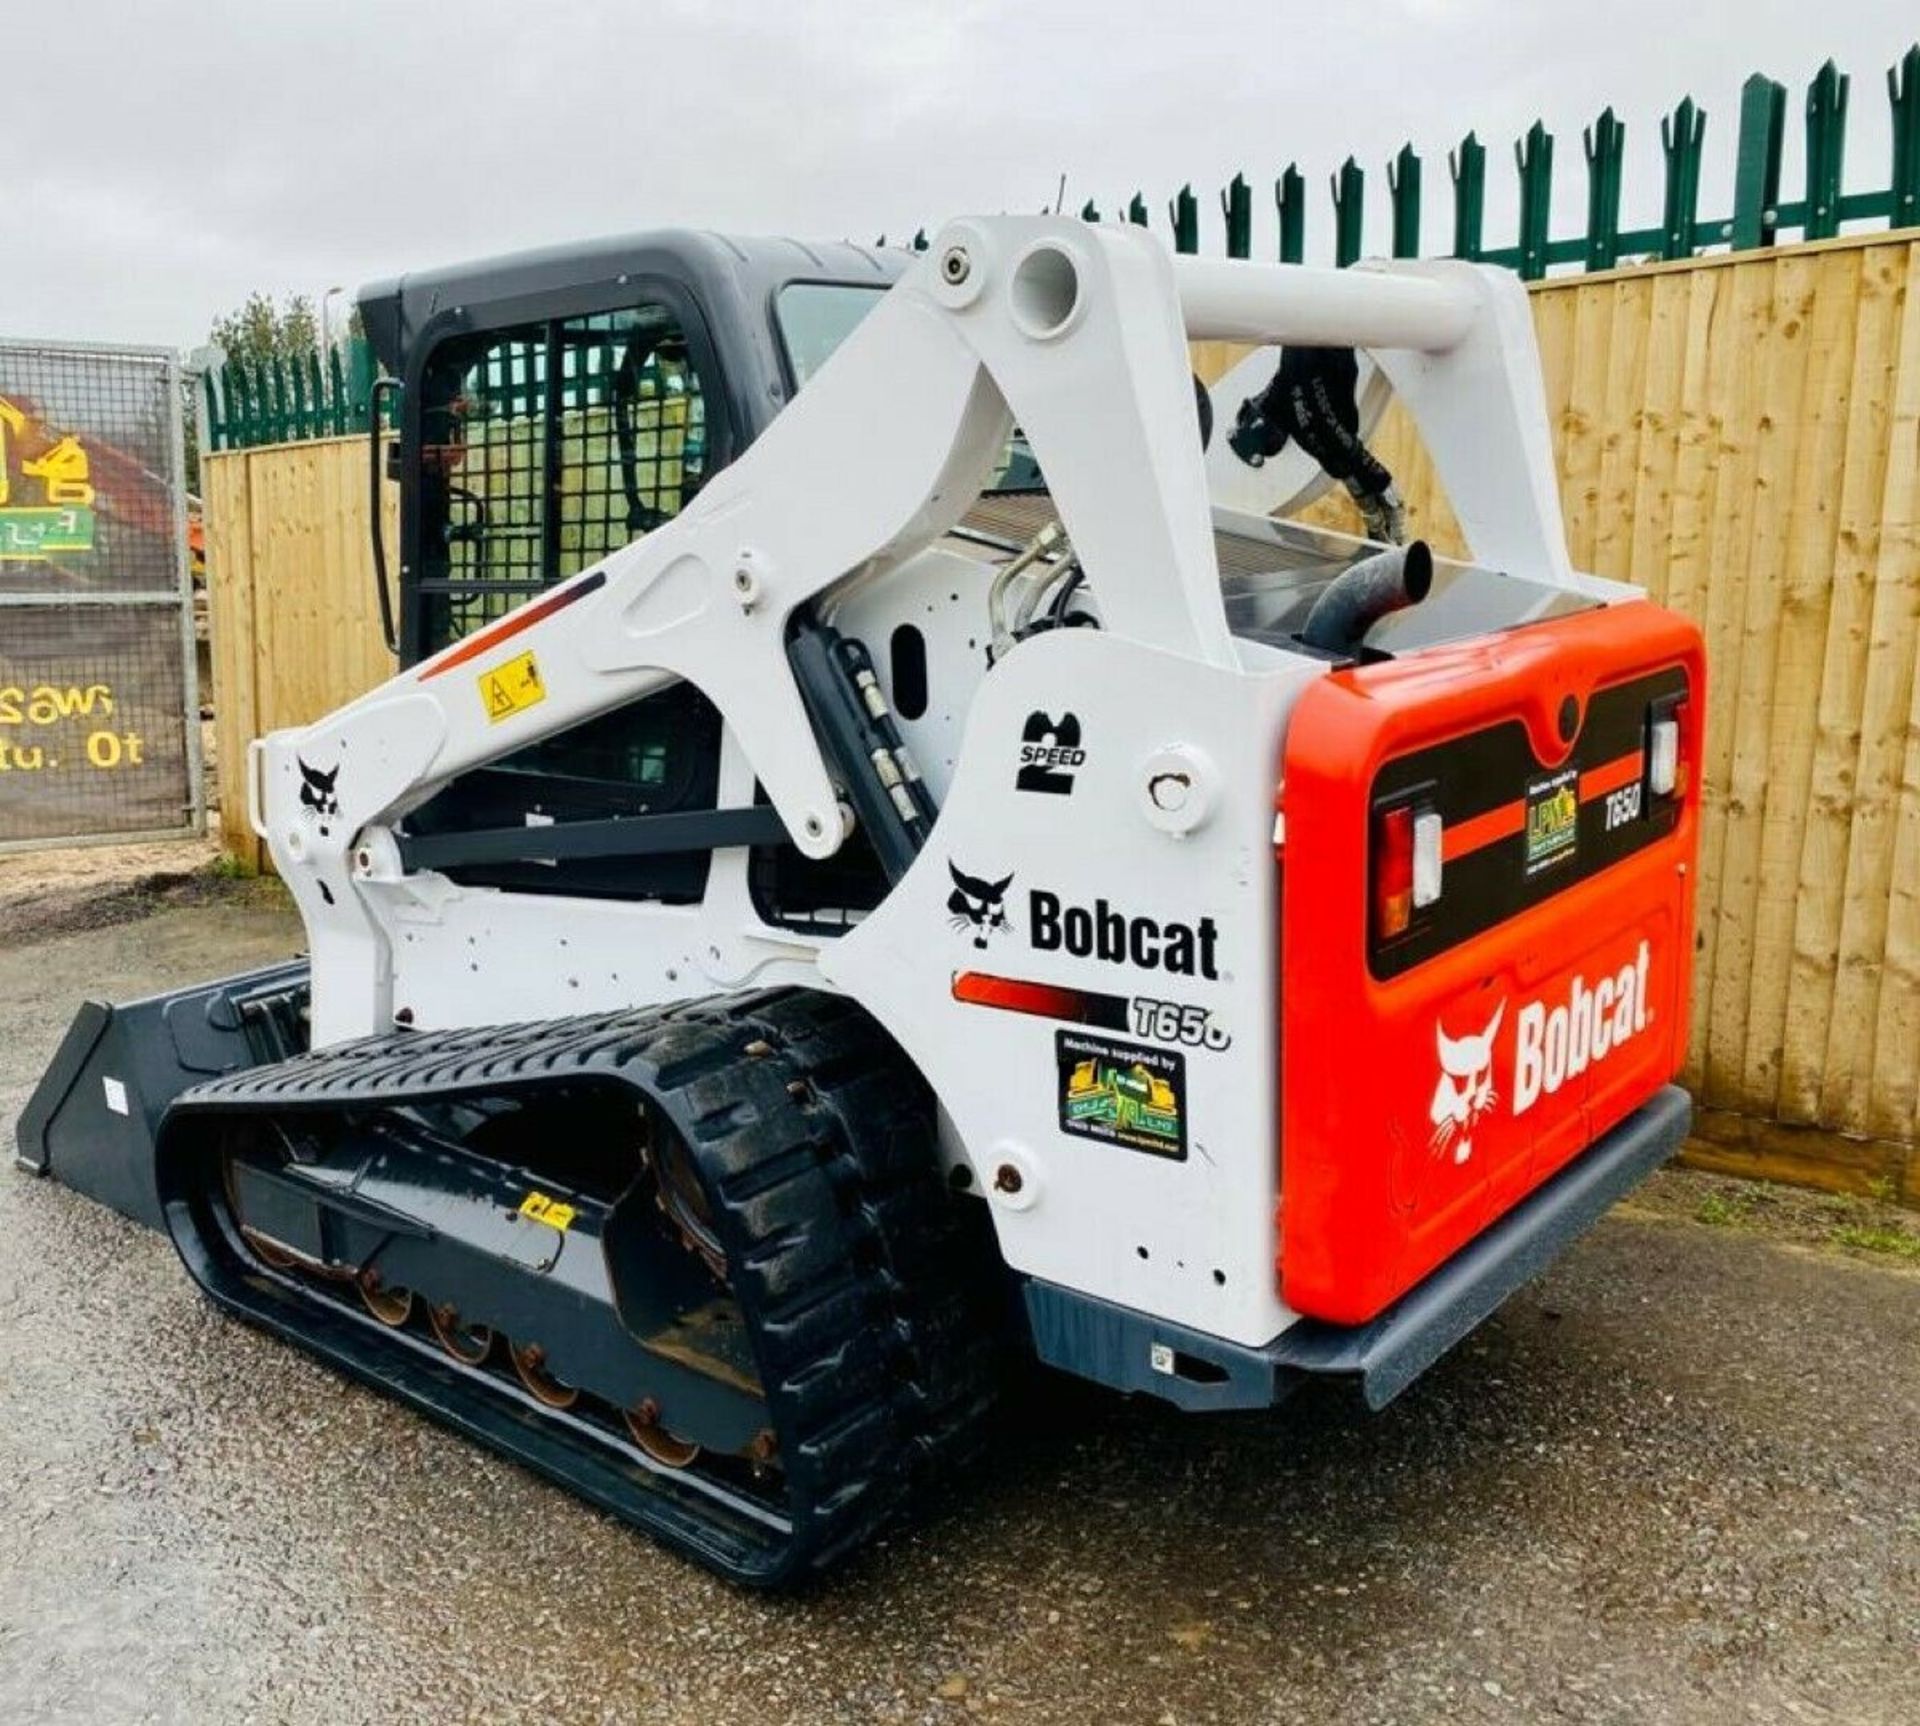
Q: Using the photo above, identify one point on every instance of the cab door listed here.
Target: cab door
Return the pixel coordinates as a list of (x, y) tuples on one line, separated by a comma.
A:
[(536, 440), (534, 445)]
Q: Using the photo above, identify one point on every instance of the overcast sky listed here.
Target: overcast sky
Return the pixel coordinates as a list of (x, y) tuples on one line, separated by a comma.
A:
[(163, 158)]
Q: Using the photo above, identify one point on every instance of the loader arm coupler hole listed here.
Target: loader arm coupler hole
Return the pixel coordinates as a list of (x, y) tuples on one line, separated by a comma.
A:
[(1045, 292)]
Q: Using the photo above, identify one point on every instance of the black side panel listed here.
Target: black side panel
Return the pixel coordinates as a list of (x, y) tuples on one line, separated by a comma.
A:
[(91, 1121)]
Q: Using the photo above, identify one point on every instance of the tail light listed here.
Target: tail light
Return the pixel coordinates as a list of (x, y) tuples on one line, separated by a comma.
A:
[(1406, 866), (1392, 871), (1428, 832), (1663, 752)]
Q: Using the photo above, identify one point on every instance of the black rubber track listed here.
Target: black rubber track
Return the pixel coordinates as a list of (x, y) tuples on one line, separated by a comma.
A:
[(870, 1303)]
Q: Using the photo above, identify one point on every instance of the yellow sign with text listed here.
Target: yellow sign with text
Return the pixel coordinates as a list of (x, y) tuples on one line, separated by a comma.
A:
[(552, 1212), (60, 519), (512, 688)]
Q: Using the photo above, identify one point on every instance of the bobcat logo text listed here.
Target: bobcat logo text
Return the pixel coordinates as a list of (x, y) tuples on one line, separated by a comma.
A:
[(1552, 1043)]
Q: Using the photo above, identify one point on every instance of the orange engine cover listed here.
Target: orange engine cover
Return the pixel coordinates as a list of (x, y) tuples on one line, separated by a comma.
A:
[(1432, 1077)]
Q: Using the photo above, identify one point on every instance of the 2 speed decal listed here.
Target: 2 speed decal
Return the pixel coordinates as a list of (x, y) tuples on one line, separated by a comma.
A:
[(1050, 754)]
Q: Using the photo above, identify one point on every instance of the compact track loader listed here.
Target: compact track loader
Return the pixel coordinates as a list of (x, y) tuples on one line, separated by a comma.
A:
[(844, 889)]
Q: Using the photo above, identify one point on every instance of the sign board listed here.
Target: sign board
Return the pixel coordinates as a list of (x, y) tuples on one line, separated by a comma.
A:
[(99, 731)]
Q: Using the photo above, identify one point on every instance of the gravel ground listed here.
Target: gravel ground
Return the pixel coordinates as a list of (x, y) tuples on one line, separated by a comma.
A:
[(1676, 1481)]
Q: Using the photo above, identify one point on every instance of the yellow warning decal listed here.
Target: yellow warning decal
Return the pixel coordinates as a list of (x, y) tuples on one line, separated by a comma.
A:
[(552, 1212), (512, 688)]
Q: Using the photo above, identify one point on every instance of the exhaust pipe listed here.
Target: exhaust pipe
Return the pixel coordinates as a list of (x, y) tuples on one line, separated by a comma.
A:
[(1356, 599)]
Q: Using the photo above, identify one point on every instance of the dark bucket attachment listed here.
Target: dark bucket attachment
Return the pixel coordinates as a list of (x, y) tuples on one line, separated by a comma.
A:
[(90, 1122)]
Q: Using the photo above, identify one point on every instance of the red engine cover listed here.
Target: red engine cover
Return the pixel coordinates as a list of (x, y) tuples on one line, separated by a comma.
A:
[(1432, 1079)]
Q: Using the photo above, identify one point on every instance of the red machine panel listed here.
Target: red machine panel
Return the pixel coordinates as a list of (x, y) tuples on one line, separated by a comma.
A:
[(1487, 918)]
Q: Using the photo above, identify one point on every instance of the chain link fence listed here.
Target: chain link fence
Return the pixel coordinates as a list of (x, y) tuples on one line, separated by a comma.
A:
[(99, 706)]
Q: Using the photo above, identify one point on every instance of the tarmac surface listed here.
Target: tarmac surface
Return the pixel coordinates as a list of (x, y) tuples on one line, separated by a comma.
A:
[(1678, 1480)]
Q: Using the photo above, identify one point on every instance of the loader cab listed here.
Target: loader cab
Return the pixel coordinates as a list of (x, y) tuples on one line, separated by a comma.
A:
[(555, 406)]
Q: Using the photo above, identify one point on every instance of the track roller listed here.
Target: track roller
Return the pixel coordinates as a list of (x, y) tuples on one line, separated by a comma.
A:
[(391, 1306), (530, 1362), (653, 1438), (469, 1344)]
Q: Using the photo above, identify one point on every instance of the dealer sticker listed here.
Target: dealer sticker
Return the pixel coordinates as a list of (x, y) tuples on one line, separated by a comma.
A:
[(1553, 819), (1123, 1094)]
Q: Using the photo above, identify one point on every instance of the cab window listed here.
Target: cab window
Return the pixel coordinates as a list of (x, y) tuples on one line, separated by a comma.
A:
[(814, 318), (545, 446)]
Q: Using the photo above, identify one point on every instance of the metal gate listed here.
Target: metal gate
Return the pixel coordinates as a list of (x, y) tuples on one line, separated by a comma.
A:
[(99, 703)]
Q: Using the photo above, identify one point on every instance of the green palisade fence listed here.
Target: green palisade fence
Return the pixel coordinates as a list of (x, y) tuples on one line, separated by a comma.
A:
[(286, 398), (1760, 216), (247, 405)]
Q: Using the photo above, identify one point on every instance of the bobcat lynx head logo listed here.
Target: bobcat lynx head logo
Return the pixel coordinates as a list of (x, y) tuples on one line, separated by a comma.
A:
[(1465, 1091), (978, 905), (316, 790)]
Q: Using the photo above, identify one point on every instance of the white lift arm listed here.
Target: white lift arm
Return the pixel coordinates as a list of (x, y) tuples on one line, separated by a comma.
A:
[(1078, 333)]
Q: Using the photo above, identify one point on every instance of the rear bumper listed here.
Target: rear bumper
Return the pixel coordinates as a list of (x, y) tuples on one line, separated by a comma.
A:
[(1133, 1352)]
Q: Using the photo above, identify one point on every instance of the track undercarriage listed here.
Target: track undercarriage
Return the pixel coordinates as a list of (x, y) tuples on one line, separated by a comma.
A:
[(695, 1262)]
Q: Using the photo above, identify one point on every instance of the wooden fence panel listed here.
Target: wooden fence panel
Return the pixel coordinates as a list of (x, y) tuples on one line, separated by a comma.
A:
[(1739, 435), (230, 581), (295, 621)]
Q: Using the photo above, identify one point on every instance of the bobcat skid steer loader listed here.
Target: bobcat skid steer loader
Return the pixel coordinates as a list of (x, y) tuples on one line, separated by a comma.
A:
[(830, 863)]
